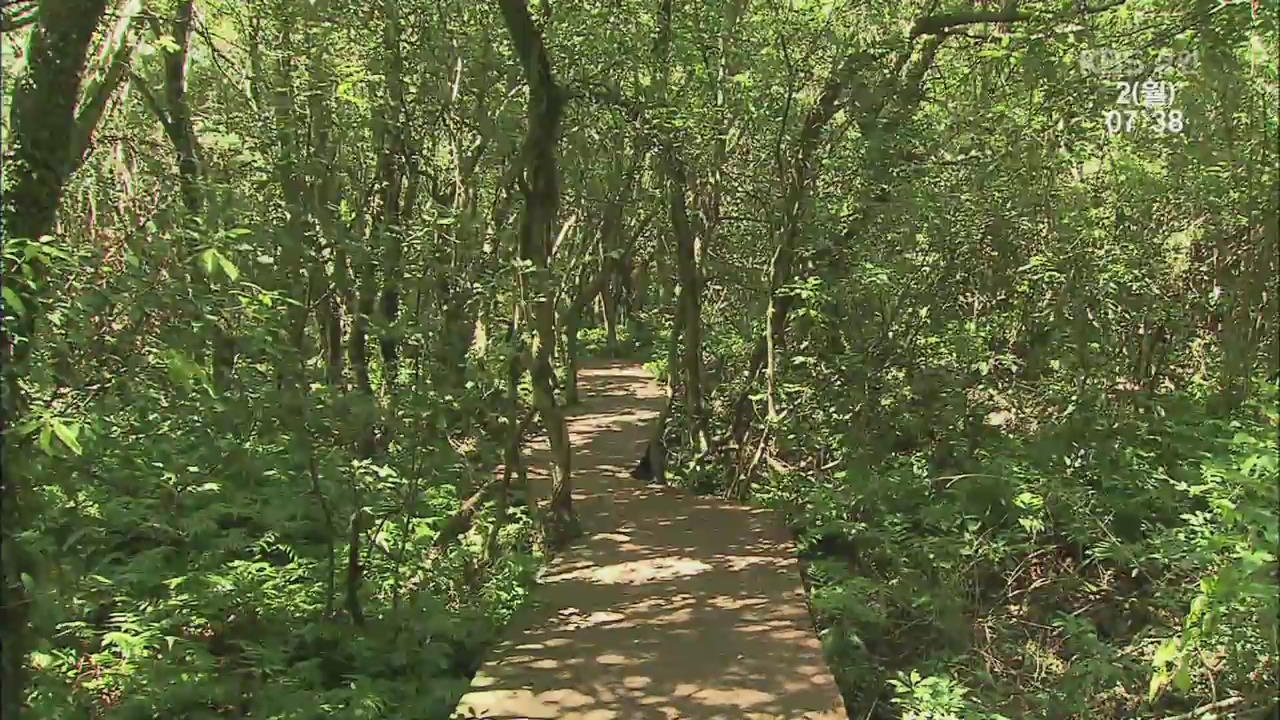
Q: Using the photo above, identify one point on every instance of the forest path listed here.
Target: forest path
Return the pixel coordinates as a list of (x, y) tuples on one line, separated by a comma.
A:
[(671, 606)]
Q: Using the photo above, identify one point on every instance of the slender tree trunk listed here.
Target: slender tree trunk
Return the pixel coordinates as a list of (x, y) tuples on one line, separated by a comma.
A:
[(340, 306), (176, 119), (570, 321), (540, 186), (656, 447), (358, 342), (900, 98), (639, 282), (610, 254), (791, 208), (690, 307), (512, 463), (689, 298), (382, 230), (619, 251), (322, 198), (300, 280), (393, 187), (610, 299), (180, 128)]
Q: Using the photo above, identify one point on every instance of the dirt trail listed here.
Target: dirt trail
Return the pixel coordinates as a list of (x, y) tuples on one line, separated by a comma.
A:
[(672, 606)]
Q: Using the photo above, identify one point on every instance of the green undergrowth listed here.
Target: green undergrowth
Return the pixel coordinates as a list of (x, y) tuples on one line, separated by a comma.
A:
[(198, 559), (635, 342), (1117, 563)]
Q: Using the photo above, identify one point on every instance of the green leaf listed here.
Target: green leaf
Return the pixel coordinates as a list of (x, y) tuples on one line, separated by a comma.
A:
[(41, 661), (1167, 651), (1182, 678), (1255, 559), (128, 645), (11, 299), (167, 43), (68, 436), (229, 268), (208, 260), (1158, 681), (73, 539), (26, 428), (212, 258), (1198, 606)]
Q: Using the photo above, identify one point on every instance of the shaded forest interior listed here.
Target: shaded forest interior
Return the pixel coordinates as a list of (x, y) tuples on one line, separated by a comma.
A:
[(978, 294)]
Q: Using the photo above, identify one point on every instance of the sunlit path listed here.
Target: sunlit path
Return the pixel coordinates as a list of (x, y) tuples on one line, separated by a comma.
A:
[(672, 606)]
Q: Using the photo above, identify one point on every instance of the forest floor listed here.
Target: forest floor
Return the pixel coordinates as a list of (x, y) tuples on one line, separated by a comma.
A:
[(670, 606)]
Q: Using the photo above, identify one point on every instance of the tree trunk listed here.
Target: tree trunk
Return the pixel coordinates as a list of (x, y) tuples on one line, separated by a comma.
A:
[(688, 300), (300, 280), (791, 207), (690, 307), (393, 188), (322, 198), (358, 342), (42, 121), (176, 119), (540, 185), (100, 88), (180, 128), (571, 321)]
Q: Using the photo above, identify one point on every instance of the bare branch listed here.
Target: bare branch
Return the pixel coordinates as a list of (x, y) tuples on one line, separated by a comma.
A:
[(942, 23), (152, 102)]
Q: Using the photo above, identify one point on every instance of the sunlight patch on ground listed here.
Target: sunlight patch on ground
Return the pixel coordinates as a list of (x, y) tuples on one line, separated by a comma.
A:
[(638, 571), (575, 619), (742, 562), (737, 697)]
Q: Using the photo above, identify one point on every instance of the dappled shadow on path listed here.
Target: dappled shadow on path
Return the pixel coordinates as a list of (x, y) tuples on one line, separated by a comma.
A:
[(672, 606)]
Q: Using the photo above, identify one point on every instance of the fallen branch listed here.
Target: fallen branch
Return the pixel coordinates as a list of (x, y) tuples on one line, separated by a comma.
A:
[(460, 522), (777, 465), (1204, 711)]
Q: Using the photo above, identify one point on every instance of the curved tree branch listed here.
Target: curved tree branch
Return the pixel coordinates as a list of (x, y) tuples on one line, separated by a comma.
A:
[(942, 23)]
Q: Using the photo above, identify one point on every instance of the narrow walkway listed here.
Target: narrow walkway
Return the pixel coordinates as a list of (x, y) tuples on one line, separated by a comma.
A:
[(672, 607)]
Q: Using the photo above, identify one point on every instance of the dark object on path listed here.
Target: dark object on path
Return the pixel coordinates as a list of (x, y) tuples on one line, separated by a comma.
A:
[(652, 463)]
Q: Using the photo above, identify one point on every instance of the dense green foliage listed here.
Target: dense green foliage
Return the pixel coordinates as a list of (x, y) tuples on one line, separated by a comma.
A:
[(1009, 375)]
